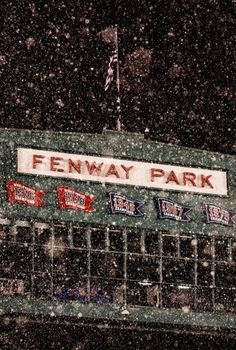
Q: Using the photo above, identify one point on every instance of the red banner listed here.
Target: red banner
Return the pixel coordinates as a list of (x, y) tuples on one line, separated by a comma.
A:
[(20, 193), (68, 198)]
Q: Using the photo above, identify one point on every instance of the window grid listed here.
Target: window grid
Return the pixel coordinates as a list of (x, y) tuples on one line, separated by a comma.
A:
[(157, 280)]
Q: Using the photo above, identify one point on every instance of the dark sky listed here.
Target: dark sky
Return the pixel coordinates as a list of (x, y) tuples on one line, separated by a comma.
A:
[(177, 67)]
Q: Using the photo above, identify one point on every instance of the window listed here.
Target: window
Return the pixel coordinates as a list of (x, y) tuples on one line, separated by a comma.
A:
[(98, 239), (70, 262), (22, 259), (116, 241), (5, 233), (70, 288), (225, 275), (79, 237), (204, 273), (108, 265), (152, 243), (221, 250), (142, 268), (204, 299), (42, 286), (225, 300), (142, 295), (177, 297), (134, 242), (187, 247), (24, 234), (61, 236), (170, 246), (136, 270), (178, 271), (204, 249), (153, 268), (42, 236), (6, 257), (106, 291), (42, 259)]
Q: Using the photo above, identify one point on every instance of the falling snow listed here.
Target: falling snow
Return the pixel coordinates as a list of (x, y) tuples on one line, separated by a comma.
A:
[(177, 86)]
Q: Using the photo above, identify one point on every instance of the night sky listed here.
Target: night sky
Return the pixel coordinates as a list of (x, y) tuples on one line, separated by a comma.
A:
[(178, 80), (177, 67)]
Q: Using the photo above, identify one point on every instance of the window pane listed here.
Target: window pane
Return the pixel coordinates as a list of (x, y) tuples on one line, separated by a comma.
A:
[(178, 271), (15, 258), (152, 243), (221, 250), (42, 236), (5, 233), (174, 297), (225, 300), (70, 262), (169, 246), (134, 242), (42, 286), (204, 299), (135, 294), (204, 249), (142, 268), (116, 241), (98, 239), (106, 291), (152, 268), (187, 247), (79, 237), (23, 234), (72, 288), (107, 265), (142, 295), (22, 259), (135, 267), (225, 275), (6, 256), (61, 236), (204, 274), (42, 259)]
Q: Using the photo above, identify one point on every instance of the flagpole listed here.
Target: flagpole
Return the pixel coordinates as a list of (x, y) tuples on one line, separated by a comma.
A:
[(118, 121)]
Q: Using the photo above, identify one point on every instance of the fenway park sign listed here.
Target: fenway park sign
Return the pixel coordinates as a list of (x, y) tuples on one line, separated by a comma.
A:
[(121, 171)]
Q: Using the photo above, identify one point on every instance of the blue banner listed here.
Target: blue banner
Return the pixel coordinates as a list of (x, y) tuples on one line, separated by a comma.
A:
[(168, 209), (119, 204), (217, 215)]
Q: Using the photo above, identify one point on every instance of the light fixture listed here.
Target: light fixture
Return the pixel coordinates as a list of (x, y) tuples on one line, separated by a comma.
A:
[(145, 283), (124, 310), (184, 287)]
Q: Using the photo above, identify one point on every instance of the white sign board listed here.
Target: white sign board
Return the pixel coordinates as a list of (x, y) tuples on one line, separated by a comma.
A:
[(121, 171)]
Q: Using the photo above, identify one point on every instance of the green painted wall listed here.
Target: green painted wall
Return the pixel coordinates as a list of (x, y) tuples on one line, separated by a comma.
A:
[(111, 313), (123, 146), (118, 145)]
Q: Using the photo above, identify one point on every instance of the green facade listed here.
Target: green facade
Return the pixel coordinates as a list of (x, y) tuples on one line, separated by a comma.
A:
[(128, 147), (121, 146)]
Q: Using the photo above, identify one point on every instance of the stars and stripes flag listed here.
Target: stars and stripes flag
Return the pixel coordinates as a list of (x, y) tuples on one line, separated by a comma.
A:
[(111, 67), (113, 70)]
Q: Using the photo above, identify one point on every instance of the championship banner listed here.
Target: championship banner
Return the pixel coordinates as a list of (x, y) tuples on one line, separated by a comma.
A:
[(68, 198), (120, 204), (20, 193), (168, 209), (217, 215)]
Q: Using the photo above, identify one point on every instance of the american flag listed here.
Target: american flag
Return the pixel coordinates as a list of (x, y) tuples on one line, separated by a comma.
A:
[(111, 68)]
